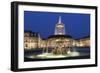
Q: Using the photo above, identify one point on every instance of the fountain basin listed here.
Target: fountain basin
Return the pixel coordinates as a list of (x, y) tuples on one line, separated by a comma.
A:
[(51, 55)]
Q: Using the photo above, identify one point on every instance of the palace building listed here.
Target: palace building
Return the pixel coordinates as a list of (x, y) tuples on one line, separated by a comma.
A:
[(59, 41)]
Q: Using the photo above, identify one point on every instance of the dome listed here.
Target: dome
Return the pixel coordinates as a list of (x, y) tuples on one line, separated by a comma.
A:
[(59, 36)]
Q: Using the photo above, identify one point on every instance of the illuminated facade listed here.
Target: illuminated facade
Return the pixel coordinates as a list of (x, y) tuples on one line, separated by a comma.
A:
[(60, 28), (58, 40), (84, 42), (30, 40)]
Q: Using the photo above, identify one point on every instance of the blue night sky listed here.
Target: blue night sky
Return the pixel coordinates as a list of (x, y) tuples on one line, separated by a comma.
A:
[(76, 25)]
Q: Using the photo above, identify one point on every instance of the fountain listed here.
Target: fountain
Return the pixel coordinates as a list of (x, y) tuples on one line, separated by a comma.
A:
[(59, 51)]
